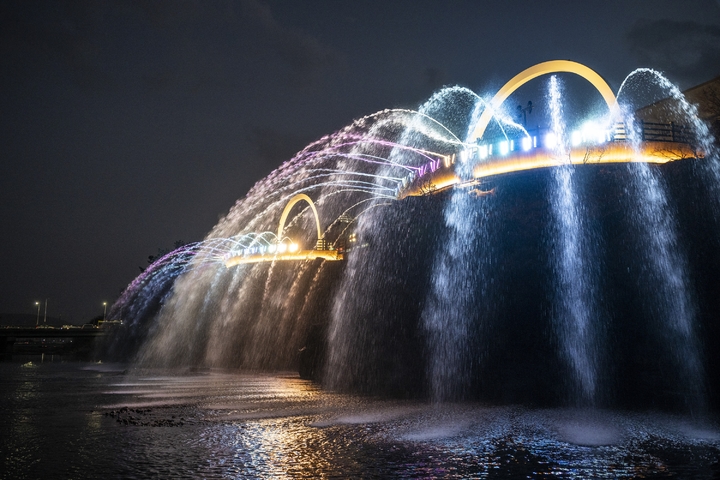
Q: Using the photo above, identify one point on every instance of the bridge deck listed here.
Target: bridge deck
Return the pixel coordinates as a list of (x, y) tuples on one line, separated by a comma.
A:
[(331, 255), (515, 161)]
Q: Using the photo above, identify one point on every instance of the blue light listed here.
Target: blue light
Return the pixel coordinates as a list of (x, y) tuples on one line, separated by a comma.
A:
[(526, 144), (550, 140), (576, 138), (483, 151), (504, 147)]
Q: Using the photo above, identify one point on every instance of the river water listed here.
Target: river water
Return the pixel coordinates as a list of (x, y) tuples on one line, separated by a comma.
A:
[(87, 420)]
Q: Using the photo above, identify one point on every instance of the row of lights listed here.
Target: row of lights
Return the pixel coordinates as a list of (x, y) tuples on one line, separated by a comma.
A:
[(272, 249), (590, 133)]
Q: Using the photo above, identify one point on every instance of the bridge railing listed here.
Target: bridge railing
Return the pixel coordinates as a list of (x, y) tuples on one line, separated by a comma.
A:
[(654, 132), (646, 131), (489, 149), (619, 132)]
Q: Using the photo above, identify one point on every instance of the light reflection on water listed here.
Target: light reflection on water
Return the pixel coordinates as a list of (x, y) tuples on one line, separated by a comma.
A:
[(69, 420)]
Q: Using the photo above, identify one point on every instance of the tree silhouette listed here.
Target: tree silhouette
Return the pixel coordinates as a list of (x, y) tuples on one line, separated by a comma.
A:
[(161, 252)]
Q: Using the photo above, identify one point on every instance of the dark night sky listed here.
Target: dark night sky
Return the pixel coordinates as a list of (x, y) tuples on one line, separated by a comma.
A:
[(128, 125)]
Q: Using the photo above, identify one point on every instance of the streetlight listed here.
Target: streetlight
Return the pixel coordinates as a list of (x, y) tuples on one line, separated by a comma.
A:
[(104, 310), (37, 321)]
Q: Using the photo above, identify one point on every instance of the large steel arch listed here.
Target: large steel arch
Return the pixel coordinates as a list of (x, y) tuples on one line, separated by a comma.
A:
[(544, 68), (298, 198)]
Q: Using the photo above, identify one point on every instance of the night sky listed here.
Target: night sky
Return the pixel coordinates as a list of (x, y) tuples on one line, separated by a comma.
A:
[(128, 125)]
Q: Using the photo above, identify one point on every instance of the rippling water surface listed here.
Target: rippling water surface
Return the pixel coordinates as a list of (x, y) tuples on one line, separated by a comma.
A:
[(72, 420)]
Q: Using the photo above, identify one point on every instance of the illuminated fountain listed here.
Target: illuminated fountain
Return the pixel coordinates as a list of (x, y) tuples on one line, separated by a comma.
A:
[(430, 296)]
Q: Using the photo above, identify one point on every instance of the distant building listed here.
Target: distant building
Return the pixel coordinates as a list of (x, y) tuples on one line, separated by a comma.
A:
[(705, 96)]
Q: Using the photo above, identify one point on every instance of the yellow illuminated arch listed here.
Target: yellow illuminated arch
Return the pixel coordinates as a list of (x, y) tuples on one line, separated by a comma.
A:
[(553, 66), (297, 198)]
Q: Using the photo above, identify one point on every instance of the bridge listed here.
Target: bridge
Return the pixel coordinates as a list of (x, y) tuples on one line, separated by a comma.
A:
[(281, 250), (82, 337), (656, 143), (592, 144)]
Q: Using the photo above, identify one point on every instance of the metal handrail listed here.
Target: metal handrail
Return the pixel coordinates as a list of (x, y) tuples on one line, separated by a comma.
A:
[(654, 132), (646, 132)]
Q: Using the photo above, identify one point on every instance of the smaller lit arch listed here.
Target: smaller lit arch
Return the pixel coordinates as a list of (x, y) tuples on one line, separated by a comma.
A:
[(283, 218)]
